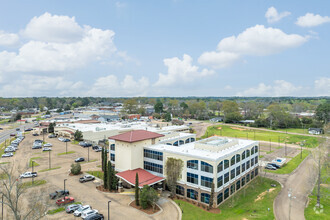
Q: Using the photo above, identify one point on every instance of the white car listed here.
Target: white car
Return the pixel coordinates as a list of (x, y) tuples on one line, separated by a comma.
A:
[(7, 155), (79, 211), (60, 139), (48, 145), (87, 213), (46, 149)]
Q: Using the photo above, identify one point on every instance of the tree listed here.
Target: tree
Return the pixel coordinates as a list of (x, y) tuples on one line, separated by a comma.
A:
[(148, 197), (158, 107), (14, 194), (18, 117), (47, 112), (322, 112), (167, 117), (173, 172), (78, 136), (59, 110), (75, 168), (51, 127), (211, 197), (102, 155), (130, 106), (231, 111), (137, 190), (67, 107), (105, 176), (110, 176)]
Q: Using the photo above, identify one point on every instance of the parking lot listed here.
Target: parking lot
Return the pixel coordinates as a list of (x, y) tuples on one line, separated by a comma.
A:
[(86, 193)]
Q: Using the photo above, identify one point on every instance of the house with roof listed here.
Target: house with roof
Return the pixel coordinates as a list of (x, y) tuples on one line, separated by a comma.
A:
[(315, 131), (228, 163)]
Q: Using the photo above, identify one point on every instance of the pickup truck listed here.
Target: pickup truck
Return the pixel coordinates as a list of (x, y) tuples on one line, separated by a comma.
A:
[(58, 193), (64, 201), (86, 178), (29, 175)]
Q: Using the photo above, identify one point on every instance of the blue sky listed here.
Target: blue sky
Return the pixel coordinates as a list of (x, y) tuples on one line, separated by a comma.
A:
[(164, 48)]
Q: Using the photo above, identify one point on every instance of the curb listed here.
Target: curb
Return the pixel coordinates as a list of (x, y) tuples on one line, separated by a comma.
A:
[(178, 208)]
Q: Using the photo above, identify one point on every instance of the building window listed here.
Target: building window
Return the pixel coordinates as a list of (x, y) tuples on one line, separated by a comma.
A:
[(243, 181), (252, 162), (205, 198), (243, 155), (232, 174), (220, 167), (192, 194), (206, 181), (247, 164), (252, 174), (232, 188), (238, 185), (226, 194), (232, 161), (238, 170), (112, 157), (247, 153), (226, 164), (252, 150), (192, 164), (220, 181), (112, 147), (206, 167), (256, 149), (226, 177), (256, 171), (248, 178), (153, 154), (187, 141), (153, 167), (256, 160), (176, 143), (168, 144), (219, 198), (179, 190), (192, 178), (192, 139), (243, 167), (238, 158)]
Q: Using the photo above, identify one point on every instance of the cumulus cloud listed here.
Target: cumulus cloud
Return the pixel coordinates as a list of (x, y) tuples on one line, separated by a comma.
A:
[(279, 88), (322, 86), (111, 86), (180, 72), (312, 20), (8, 39), (254, 41), (273, 16)]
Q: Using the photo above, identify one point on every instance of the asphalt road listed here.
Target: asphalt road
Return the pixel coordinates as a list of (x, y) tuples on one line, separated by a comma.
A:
[(4, 135)]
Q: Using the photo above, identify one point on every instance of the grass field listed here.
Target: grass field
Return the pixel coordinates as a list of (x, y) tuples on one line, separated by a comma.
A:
[(240, 206), (35, 164), (54, 168), (252, 134), (60, 209), (35, 183), (64, 153), (292, 164), (98, 174), (294, 130), (324, 213), (2, 145)]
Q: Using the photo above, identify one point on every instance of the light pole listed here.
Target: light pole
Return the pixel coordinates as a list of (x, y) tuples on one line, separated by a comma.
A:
[(49, 160), (109, 209), (301, 145), (32, 172), (66, 147), (2, 207), (64, 186)]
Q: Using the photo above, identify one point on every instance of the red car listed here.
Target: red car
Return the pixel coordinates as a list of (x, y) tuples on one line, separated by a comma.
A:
[(64, 201)]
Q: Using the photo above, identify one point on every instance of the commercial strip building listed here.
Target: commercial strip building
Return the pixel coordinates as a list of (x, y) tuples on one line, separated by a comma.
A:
[(228, 163)]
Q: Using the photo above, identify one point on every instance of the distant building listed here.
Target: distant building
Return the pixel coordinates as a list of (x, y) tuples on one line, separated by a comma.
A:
[(315, 131), (217, 119)]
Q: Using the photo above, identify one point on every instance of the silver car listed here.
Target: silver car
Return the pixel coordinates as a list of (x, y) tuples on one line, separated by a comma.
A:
[(72, 208), (7, 155)]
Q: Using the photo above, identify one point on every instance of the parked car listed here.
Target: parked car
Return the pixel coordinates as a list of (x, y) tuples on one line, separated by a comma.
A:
[(36, 146), (96, 216), (60, 139), (38, 141), (12, 134), (78, 212), (95, 147), (18, 129), (1, 128), (87, 213), (86, 178), (274, 165), (72, 208), (58, 193), (28, 129), (52, 136), (64, 201), (85, 144), (48, 145), (79, 159), (9, 149), (35, 134), (46, 149), (66, 140), (7, 155), (270, 167), (99, 149), (28, 175)]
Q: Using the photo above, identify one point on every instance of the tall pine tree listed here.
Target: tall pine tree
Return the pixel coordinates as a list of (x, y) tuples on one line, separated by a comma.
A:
[(137, 202), (102, 158), (211, 201), (109, 181), (105, 176)]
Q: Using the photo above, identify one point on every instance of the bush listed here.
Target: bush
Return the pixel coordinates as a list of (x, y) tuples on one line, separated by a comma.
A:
[(75, 168), (148, 197)]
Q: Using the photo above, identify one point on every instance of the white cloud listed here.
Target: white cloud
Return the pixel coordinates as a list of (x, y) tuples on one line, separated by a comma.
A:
[(254, 41), (279, 88), (53, 28), (322, 86), (273, 16), (180, 72), (111, 86), (8, 39), (311, 20)]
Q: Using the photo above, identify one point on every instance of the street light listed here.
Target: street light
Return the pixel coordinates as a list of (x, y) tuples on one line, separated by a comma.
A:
[(88, 155), (49, 160), (109, 209), (32, 172), (66, 147), (64, 186)]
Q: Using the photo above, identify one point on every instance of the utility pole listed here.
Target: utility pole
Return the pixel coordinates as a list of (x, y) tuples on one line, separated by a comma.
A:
[(2, 207), (66, 147), (49, 161), (32, 172)]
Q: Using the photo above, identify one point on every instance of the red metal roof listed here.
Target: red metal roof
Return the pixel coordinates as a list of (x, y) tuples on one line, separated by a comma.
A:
[(70, 132), (145, 178), (136, 135)]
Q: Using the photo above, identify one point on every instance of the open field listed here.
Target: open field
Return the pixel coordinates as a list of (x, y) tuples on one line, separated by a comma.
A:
[(252, 134), (253, 205)]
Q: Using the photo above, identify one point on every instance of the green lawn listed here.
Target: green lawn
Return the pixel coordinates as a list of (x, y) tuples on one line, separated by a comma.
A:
[(240, 206), (310, 214), (294, 130), (64, 153), (252, 134), (98, 174), (35, 164), (54, 168), (35, 183), (292, 164)]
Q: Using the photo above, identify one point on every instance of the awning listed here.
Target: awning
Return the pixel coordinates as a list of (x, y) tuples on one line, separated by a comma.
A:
[(145, 178)]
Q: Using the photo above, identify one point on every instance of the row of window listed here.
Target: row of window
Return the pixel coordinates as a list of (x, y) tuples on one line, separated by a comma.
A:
[(112, 147), (153, 154), (181, 142), (153, 167), (112, 157), (205, 181)]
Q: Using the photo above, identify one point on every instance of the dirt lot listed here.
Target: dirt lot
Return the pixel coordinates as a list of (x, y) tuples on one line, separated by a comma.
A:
[(82, 192)]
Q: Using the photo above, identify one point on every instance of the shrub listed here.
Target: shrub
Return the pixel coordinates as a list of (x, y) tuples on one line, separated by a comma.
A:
[(75, 168), (148, 197)]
